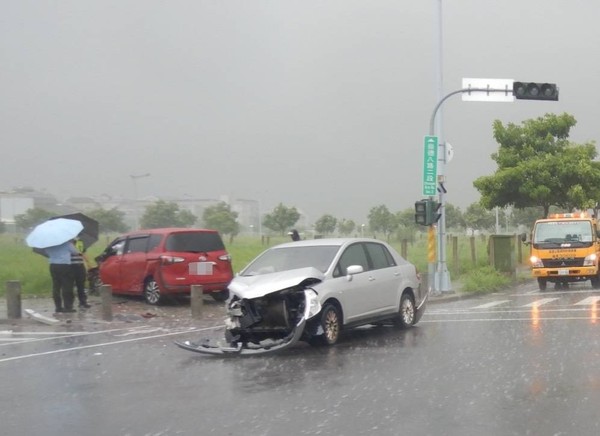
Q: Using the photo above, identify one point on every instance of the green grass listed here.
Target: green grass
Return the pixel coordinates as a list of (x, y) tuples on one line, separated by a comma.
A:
[(20, 263)]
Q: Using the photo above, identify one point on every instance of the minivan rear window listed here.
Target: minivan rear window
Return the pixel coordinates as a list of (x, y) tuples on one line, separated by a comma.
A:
[(195, 242)]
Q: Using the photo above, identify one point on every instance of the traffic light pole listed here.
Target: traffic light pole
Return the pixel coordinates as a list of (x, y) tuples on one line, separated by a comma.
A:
[(516, 90), (441, 275)]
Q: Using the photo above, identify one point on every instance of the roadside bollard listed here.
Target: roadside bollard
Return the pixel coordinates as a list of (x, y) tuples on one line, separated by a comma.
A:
[(13, 299), (106, 297), (197, 301)]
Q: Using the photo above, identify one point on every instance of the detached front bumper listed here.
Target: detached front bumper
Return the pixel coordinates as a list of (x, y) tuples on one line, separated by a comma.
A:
[(265, 346)]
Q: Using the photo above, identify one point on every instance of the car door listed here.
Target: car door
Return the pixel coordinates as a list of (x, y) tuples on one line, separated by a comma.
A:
[(354, 290), (133, 264), (110, 264), (386, 278)]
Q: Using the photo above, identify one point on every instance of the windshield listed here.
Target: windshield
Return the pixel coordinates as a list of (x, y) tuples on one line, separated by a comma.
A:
[(283, 259), (563, 232)]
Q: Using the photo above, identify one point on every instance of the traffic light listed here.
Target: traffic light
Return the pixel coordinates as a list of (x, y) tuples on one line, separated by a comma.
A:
[(421, 212), (432, 212), (535, 91), (426, 212)]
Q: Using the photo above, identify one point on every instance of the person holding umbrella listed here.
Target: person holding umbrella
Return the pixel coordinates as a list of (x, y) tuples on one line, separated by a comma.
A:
[(54, 238), (59, 257)]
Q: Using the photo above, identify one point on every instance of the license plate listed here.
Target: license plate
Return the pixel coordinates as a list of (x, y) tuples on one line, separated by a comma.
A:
[(201, 268), (563, 272)]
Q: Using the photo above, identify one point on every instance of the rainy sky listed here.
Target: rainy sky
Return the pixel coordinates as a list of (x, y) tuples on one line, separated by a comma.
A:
[(321, 105)]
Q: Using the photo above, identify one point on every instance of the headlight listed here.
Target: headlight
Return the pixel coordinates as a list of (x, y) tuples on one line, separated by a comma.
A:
[(536, 262), (590, 260), (313, 306)]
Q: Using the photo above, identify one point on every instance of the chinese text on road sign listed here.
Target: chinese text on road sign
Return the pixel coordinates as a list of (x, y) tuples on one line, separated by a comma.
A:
[(430, 165)]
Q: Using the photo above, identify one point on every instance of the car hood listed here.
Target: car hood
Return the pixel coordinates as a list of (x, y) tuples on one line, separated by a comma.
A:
[(263, 284)]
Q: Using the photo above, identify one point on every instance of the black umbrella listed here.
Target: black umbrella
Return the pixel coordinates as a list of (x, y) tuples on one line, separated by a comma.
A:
[(88, 235), (90, 231)]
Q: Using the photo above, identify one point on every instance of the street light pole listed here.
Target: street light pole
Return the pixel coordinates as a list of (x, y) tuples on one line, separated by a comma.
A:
[(134, 179)]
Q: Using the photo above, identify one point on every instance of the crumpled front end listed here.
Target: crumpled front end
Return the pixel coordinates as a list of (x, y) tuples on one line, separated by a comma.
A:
[(267, 322)]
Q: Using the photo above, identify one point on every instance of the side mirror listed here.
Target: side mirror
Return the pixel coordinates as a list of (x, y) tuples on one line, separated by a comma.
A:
[(353, 269), (523, 237)]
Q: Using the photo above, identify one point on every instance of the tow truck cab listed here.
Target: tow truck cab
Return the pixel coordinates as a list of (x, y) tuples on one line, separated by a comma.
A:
[(564, 248)]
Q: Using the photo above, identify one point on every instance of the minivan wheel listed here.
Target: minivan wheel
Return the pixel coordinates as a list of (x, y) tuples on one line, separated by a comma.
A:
[(151, 291), (221, 295)]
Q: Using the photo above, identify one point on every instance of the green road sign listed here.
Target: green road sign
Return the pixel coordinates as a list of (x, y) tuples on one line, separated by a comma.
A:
[(430, 147)]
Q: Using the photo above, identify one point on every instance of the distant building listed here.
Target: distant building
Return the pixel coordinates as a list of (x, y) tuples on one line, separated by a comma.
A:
[(82, 204), (12, 205)]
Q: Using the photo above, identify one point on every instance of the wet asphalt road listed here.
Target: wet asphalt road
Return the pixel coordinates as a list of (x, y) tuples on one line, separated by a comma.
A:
[(519, 362)]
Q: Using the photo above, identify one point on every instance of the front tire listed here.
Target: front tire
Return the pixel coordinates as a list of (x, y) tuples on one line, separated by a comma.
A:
[(596, 282), (331, 323), (152, 292), (95, 285), (542, 284)]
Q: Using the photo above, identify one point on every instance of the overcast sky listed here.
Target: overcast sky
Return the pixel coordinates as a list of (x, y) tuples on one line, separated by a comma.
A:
[(321, 105)]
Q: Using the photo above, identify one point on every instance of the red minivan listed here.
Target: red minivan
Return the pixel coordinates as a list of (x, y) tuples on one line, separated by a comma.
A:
[(160, 262)]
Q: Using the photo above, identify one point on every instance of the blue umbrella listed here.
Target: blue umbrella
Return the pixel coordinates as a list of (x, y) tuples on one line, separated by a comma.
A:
[(54, 232)]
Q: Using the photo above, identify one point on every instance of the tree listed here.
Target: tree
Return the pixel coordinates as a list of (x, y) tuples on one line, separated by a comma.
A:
[(538, 166), (454, 217), (221, 218), (478, 217), (382, 220), (281, 218), (527, 216), (111, 220), (166, 214), (345, 227), (407, 227), (32, 217), (326, 224), (406, 219)]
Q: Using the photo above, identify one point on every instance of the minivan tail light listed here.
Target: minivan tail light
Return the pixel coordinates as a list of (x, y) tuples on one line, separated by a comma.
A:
[(169, 260), (225, 257)]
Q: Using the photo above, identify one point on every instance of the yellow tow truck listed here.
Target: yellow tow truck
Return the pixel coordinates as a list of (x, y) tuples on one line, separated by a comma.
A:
[(564, 248)]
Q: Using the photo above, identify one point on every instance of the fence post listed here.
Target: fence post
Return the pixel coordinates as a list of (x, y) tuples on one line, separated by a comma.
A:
[(13, 299), (197, 301), (106, 297), (404, 248), (473, 251), (519, 249)]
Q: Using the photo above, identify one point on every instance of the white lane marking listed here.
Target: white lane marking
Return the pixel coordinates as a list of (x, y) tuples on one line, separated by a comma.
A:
[(491, 304), (589, 301), (538, 303), (50, 336), (143, 331), (12, 333), (558, 318), (557, 292), (21, 339), (105, 344)]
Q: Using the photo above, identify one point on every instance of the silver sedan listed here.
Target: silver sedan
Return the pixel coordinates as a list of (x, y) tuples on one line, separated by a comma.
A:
[(313, 289)]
